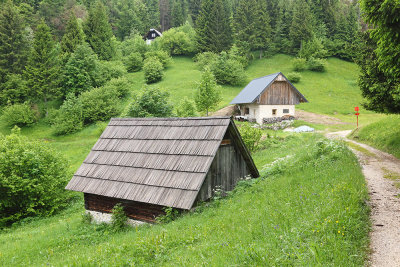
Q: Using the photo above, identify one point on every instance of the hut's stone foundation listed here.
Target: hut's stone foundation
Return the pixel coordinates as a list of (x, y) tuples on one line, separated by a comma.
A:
[(100, 217)]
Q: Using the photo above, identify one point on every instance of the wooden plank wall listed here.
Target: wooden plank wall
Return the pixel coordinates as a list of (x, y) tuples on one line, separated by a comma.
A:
[(226, 170), (134, 210), (279, 93)]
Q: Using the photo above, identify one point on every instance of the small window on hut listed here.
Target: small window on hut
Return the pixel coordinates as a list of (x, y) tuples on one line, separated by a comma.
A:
[(246, 111), (274, 112), (285, 110)]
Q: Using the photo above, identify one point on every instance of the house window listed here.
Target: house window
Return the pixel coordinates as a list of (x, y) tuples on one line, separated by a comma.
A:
[(274, 112), (246, 111), (285, 110), (153, 35)]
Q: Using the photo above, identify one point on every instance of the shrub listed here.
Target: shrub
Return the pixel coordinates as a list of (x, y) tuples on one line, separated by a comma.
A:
[(19, 114), (134, 62), (299, 64), (151, 103), (135, 43), (153, 70), (178, 42), (251, 136), (68, 119), (170, 215), (294, 77), (316, 64), (186, 108), (99, 104), (32, 178), (13, 90), (228, 71), (118, 218), (120, 86), (110, 70), (205, 59), (162, 56), (240, 55)]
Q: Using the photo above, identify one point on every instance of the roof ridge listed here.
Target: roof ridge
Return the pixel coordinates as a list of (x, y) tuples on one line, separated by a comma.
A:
[(171, 118), (266, 76)]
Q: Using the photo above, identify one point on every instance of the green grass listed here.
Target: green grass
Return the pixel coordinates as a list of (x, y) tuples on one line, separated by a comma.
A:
[(308, 211), (383, 134)]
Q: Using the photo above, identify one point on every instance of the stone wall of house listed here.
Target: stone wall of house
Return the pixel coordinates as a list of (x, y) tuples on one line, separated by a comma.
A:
[(259, 112), (100, 217)]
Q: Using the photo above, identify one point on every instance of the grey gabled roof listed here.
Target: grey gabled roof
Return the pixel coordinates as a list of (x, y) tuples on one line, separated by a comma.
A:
[(256, 87), (161, 161)]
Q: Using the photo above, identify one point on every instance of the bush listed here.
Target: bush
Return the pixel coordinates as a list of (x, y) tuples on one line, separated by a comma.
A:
[(118, 218), (294, 77), (162, 56), (178, 42), (171, 214), (13, 90), (134, 62), (68, 119), (110, 70), (153, 70), (316, 64), (299, 64), (99, 104), (240, 55), (186, 108), (32, 178), (251, 136), (151, 103), (19, 114), (228, 71), (135, 43), (120, 86), (205, 59)]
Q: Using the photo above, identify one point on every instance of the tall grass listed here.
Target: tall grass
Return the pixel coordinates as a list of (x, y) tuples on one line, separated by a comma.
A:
[(383, 134), (307, 209)]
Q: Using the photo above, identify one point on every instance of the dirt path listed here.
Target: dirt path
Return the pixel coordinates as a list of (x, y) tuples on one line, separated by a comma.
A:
[(384, 202), (317, 118)]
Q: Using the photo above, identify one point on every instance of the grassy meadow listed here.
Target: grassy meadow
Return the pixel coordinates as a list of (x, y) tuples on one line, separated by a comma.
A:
[(306, 210)]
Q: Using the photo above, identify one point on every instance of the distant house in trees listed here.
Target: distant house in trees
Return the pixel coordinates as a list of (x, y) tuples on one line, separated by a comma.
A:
[(268, 97), (151, 35), (147, 164)]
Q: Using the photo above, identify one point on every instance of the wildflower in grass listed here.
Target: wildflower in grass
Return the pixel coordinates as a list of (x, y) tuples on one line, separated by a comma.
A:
[(337, 221), (338, 231)]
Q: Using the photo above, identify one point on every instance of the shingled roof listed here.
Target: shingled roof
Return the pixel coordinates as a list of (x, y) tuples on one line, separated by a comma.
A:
[(161, 161), (257, 86)]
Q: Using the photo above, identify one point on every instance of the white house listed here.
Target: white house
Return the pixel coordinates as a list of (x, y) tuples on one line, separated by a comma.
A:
[(271, 96)]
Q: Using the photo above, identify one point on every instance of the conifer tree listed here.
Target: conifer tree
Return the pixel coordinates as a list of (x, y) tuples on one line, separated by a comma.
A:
[(243, 24), (13, 41), (262, 28), (73, 36), (301, 28), (214, 31), (42, 68), (178, 13), (98, 32), (194, 8), (208, 94)]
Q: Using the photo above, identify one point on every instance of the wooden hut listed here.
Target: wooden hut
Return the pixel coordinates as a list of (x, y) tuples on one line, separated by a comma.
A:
[(268, 97), (147, 164)]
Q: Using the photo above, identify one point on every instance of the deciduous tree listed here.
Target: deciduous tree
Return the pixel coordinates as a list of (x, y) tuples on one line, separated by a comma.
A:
[(208, 95)]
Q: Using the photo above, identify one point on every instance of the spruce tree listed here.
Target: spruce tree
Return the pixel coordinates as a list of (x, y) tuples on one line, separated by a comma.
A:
[(262, 29), (301, 28), (42, 68), (13, 41), (194, 8), (73, 36), (99, 33), (214, 31), (243, 24), (178, 13)]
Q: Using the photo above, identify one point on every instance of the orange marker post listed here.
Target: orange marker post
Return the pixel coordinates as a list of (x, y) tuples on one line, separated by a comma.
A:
[(356, 109)]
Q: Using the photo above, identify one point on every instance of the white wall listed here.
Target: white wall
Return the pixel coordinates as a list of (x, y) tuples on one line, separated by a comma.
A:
[(265, 111)]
